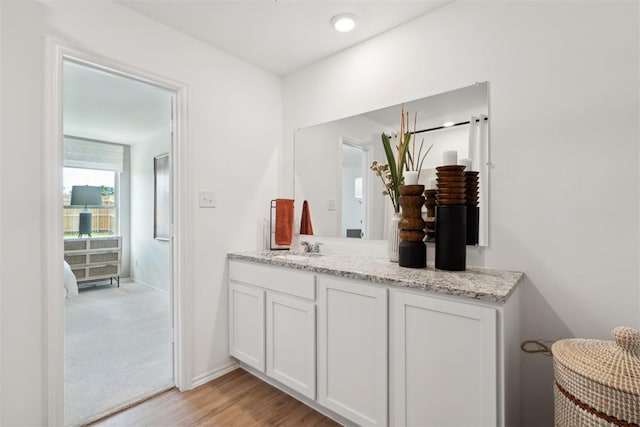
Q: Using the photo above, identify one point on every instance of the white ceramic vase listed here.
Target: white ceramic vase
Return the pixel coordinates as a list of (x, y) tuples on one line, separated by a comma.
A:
[(393, 240), (410, 177)]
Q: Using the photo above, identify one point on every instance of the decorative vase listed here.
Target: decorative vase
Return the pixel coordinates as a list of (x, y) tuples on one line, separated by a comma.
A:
[(393, 240), (473, 224), (451, 237), (412, 251), (473, 211), (430, 203), (451, 218), (410, 177)]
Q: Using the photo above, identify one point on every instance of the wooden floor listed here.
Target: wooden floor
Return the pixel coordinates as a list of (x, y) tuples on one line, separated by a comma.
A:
[(235, 399)]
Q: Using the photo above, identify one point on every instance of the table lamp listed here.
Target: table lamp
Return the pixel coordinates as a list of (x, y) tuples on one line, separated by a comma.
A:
[(85, 195)]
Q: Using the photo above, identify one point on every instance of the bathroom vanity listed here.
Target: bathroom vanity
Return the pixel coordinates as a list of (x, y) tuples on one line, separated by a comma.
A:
[(372, 343)]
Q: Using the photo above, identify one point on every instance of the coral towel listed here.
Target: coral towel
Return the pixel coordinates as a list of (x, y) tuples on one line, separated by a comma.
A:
[(284, 221), (305, 220)]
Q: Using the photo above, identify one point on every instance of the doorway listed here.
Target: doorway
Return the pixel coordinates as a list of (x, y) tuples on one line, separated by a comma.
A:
[(53, 271), (118, 322), (354, 188)]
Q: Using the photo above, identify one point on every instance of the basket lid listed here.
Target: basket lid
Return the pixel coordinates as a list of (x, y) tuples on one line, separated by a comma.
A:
[(614, 364)]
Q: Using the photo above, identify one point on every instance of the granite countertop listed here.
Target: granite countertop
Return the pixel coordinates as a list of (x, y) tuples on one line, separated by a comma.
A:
[(477, 283)]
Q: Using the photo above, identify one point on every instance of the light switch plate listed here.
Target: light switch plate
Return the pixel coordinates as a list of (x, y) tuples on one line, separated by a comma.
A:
[(331, 204), (207, 199)]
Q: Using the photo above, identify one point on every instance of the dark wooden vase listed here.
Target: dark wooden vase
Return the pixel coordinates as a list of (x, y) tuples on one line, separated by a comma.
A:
[(430, 204), (412, 249), (473, 211)]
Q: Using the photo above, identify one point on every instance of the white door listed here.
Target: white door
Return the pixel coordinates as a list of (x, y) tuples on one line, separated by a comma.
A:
[(444, 362), (352, 350), (246, 324), (355, 173), (291, 343)]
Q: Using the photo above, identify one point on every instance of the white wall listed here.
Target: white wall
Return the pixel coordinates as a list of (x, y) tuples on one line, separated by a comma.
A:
[(2, 283), (225, 154), (150, 258), (124, 209), (564, 147)]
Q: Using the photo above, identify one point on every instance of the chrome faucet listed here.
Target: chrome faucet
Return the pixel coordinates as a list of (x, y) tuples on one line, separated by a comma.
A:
[(311, 247)]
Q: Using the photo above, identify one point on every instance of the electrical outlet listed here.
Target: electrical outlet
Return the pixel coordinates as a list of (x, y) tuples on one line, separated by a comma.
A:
[(207, 199)]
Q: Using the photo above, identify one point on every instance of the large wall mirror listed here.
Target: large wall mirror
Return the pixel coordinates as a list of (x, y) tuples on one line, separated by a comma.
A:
[(332, 160)]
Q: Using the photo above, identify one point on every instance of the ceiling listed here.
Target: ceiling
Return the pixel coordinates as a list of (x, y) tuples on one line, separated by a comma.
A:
[(280, 35), (107, 107)]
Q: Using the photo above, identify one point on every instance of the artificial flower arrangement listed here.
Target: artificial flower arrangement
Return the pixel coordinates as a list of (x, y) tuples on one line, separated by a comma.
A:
[(391, 173)]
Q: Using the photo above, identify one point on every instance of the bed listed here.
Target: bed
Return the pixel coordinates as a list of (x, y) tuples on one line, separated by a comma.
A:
[(70, 282)]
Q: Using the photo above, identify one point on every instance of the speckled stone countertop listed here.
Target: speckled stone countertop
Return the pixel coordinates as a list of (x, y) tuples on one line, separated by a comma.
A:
[(476, 283)]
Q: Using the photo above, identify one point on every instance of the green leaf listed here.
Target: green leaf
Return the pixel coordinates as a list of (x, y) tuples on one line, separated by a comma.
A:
[(421, 159), (392, 169), (404, 149)]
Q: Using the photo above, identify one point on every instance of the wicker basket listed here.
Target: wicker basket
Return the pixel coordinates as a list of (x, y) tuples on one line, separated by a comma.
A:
[(597, 383)]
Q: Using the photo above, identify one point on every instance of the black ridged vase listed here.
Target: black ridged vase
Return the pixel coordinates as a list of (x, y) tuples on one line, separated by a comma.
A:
[(451, 218), (451, 241), (473, 224)]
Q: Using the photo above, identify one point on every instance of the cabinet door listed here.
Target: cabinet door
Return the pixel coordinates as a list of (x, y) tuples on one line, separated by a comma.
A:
[(291, 343), (352, 350), (246, 324), (444, 357)]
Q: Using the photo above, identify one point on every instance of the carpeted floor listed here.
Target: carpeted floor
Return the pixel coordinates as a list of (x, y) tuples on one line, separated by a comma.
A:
[(117, 349)]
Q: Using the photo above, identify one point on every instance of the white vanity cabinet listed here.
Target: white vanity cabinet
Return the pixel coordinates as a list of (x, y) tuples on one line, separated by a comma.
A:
[(291, 343), (383, 355), (452, 362), (246, 324), (272, 323), (352, 343), (445, 364)]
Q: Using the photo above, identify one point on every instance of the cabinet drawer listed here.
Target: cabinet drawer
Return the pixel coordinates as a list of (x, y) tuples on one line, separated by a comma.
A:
[(290, 282), (80, 273), (107, 243), (78, 259), (75, 245), (104, 257), (104, 270)]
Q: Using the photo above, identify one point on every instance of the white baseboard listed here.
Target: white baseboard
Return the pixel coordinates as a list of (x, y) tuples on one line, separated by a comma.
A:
[(214, 373), (140, 282)]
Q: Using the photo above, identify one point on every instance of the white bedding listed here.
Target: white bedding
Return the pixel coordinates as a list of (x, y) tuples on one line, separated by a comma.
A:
[(70, 282)]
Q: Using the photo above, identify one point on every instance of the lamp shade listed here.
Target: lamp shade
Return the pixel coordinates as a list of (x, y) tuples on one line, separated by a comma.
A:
[(86, 195)]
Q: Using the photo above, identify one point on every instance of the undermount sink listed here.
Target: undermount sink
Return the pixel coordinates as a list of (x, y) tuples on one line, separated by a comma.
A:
[(297, 256)]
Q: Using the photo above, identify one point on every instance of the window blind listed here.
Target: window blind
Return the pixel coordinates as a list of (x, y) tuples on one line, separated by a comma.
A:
[(86, 154)]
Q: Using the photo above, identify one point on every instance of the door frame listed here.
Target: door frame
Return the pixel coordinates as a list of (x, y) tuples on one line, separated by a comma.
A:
[(52, 249), (366, 181)]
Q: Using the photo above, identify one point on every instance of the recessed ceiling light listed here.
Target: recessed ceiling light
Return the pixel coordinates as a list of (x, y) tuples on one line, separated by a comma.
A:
[(448, 124), (344, 22)]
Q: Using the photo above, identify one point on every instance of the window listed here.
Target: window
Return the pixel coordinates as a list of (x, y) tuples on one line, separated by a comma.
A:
[(103, 219)]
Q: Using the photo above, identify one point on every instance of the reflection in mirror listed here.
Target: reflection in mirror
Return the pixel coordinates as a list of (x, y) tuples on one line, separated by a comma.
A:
[(354, 170), (332, 160)]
